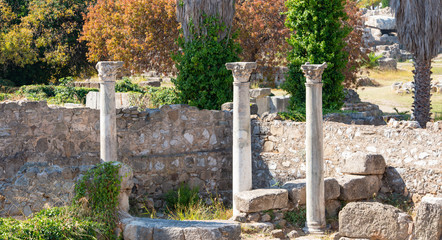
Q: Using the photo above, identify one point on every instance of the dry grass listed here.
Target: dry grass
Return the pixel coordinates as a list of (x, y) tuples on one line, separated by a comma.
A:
[(387, 99)]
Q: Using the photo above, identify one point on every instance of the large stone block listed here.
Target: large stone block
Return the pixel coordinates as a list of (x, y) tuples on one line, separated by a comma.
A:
[(387, 64), (160, 229), (364, 164), (297, 190), (261, 200), (260, 92), (381, 22), (429, 218), (374, 220), (354, 187)]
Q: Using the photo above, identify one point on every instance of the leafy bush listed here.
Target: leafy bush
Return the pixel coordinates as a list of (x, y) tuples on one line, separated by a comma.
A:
[(55, 94), (297, 115), (183, 197), (203, 80), (162, 96), (385, 3), (318, 36), (368, 3), (297, 217), (55, 223), (126, 85), (372, 60), (99, 189), (3, 96)]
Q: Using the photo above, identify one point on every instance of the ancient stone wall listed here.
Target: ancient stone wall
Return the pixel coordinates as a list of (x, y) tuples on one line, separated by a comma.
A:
[(164, 146), (416, 154), (179, 143)]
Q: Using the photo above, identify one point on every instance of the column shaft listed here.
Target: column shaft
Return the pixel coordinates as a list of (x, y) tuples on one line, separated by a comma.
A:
[(314, 149), (108, 122), (242, 147), (107, 72)]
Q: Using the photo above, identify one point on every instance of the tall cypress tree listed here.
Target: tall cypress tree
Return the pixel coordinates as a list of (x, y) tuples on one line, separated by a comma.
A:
[(317, 36)]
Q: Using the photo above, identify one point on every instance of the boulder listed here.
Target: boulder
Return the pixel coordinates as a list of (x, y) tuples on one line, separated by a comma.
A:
[(261, 200), (381, 22), (151, 83), (374, 220), (360, 163), (332, 208), (387, 64), (297, 190), (356, 187), (257, 227), (146, 229), (429, 218), (331, 189), (260, 92)]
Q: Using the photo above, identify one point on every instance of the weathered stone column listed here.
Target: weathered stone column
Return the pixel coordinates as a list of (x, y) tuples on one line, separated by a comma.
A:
[(107, 72), (242, 146), (314, 150)]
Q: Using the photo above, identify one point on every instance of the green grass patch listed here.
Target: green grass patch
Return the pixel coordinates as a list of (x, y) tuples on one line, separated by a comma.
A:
[(297, 217)]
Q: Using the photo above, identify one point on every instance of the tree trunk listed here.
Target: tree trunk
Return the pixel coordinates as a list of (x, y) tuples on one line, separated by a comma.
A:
[(422, 88), (191, 13)]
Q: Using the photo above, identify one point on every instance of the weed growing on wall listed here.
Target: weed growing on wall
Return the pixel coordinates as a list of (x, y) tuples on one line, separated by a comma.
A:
[(297, 217), (98, 190), (203, 80)]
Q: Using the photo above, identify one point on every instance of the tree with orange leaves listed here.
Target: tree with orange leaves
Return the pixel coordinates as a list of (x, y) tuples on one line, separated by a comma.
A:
[(262, 33), (141, 33)]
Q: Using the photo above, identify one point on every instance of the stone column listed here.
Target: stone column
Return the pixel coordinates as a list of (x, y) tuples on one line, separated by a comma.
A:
[(242, 143), (314, 150), (107, 72)]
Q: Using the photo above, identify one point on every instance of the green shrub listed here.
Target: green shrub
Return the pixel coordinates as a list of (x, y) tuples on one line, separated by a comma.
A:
[(80, 93), (33, 90), (183, 197), (385, 3), (297, 217), (55, 223), (162, 96), (372, 61), (99, 188), (3, 96), (126, 85), (317, 36), (297, 115), (203, 80)]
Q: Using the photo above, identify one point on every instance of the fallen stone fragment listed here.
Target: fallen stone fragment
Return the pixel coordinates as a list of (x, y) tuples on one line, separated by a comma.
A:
[(261, 200), (429, 218), (372, 220)]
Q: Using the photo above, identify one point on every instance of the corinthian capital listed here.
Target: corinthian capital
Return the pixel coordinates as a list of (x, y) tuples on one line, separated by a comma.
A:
[(107, 71), (313, 72), (241, 70)]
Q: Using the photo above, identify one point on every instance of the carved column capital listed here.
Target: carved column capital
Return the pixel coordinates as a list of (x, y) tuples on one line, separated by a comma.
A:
[(241, 70), (313, 72), (107, 71)]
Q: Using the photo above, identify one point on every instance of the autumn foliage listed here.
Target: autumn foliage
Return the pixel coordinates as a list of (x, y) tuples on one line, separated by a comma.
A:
[(262, 33), (142, 33), (354, 40)]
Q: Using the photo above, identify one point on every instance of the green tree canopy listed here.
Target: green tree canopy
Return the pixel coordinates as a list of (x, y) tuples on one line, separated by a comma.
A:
[(39, 39), (317, 36)]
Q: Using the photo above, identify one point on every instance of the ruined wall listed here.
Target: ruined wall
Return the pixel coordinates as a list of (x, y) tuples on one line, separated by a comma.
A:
[(416, 154), (52, 146), (164, 146)]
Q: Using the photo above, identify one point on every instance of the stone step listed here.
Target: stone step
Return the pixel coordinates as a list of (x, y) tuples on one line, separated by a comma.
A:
[(161, 229), (261, 200)]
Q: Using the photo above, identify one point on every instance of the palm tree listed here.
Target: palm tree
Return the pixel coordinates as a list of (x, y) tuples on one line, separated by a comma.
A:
[(419, 27)]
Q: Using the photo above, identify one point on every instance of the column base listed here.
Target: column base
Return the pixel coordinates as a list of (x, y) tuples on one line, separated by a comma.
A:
[(314, 228)]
